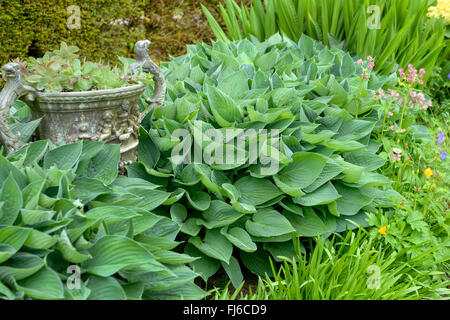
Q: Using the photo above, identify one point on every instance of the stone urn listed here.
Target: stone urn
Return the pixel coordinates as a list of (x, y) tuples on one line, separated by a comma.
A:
[(109, 115)]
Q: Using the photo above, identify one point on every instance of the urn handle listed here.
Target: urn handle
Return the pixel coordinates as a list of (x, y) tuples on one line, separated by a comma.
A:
[(13, 90), (143, 60)]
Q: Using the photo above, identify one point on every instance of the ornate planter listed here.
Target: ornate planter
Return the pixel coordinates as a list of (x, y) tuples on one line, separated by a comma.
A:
[(103, 115)]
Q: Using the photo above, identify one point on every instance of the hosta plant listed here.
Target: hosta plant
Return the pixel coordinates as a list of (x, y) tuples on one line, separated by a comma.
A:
[(57, 242), (306, 98), (62, 70)]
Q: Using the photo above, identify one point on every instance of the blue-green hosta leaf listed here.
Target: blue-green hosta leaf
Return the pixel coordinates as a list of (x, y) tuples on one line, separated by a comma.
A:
[(233, 271), (25, 130), (87, 189), (235, 84), (178, 213), (68, 251), (303, 170), (339, 94), (256, 191), (365, 159), (219, 214), (155, 281), (268, 223), (223, 107), (40, 240), (257, 262), (351, 172), (311, 224), (322, 195), (111, 214), (7, 168), (35, 152), (352, 200), (11, 196), (316, 138), (354, 129), (240, 238), (113, 253), (214, 245), (21, 266), (373, 179), (43, 285), (104, 166), (6, 293), (174, 197), (64, 157), (347, 66), (205, 266), (11, 240), (30, 217), (347, 145), (281, 250), (330, 171), (199, 200), (170, 257), (105, 289)]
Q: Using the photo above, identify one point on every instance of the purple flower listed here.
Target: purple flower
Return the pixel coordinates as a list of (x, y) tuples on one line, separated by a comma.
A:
[(448, 76), (440, 138), (443, 155)]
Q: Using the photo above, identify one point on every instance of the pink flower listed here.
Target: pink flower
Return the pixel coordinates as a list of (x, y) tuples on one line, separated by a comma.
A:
[(391, 128), (360, 61), (422, 71), (371, 65), (369, 58)]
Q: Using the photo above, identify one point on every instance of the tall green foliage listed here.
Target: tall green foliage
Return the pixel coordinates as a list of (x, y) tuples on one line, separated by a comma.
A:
[(405, 34)]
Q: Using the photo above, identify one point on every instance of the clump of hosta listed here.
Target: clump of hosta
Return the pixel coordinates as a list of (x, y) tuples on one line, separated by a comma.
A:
[(62, 70), (315, 166)]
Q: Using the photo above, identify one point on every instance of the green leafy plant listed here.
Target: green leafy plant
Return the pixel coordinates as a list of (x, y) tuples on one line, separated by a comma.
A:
[(62, 70), (405, 34), (235, 212), (354, 266), (62, 237)]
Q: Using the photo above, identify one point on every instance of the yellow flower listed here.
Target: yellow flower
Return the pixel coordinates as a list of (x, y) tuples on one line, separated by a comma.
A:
[(428, 173), (382, 230), (441, 10)]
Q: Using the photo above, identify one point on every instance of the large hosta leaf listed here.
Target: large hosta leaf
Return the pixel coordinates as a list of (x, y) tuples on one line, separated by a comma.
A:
[(64, 157), (214, 245), (11, 199), (256, 191), (268, 223), (44, 284), (303, 170), (113, 253)]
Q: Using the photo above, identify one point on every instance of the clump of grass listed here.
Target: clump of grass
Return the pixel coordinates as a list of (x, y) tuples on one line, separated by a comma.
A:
[(354, 266)]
